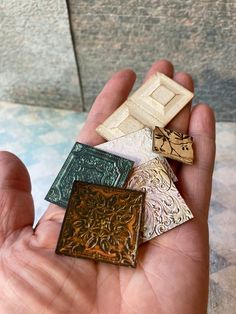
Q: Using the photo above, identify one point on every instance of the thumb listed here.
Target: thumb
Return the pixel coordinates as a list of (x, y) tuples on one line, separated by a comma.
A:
[(16, 204)]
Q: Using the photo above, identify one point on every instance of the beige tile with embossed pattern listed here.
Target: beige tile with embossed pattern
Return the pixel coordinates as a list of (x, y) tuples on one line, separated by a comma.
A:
[(155, 103)]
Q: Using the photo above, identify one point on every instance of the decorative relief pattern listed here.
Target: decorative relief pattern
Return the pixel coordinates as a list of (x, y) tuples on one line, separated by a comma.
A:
[(88, 164), (155, 103), (102, 223), (136, 146), (163, 95), (119, 123), (159, 100), (164, 207), (174, 145)]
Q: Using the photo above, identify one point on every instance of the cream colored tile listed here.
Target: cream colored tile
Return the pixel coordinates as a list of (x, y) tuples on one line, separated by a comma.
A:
[(161, 97), (155, 103), (121, 122)]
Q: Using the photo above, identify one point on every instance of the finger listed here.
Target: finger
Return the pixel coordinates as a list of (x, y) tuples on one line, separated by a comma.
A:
[(112, 96), (47, 231), (16, 204), (195, 181), (163, 66), (181, 121)]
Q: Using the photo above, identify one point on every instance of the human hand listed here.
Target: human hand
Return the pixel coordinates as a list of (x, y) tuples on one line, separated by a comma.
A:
[(172, 271)]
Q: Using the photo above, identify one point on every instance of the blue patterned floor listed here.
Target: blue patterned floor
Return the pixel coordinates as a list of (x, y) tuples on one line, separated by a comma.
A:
[(42, 138)]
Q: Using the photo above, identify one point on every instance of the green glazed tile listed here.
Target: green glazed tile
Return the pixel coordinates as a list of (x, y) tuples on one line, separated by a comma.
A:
[(88, 164)]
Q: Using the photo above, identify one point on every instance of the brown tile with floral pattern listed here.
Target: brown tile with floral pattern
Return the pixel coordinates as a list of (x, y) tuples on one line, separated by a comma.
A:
[(173, 144), (102, 223)]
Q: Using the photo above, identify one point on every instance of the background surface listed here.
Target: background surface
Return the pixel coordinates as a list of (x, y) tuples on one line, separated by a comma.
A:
[(59, 53)]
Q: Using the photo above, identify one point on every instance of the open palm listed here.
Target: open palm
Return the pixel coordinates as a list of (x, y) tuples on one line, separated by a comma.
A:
[(172, 272)]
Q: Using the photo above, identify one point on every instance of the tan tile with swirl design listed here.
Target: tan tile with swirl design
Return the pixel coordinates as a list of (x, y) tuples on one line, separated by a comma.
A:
[(165, 209), (102, 223)]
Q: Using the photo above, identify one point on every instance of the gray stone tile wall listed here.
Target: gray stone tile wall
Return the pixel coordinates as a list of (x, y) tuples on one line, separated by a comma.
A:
[(198, 36), (37, 64)]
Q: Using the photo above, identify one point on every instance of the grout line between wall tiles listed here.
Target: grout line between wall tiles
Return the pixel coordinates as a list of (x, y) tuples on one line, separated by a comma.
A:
[(76, 57)]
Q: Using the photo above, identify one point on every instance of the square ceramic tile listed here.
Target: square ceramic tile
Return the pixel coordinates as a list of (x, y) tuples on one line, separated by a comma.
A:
[(155, 103), (103, 224)]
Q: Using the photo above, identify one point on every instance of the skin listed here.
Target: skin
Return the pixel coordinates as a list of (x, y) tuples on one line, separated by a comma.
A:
[(172, 273)]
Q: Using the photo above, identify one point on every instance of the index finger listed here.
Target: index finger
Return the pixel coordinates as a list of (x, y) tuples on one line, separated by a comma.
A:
[(111, 97)]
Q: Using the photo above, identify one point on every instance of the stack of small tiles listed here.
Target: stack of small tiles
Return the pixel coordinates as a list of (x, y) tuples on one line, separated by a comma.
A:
[(122, 193)]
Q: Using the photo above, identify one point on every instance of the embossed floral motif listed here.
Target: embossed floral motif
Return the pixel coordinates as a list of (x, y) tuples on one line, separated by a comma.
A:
[(102, 223), (173, 144)]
